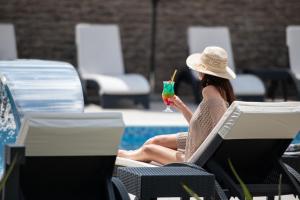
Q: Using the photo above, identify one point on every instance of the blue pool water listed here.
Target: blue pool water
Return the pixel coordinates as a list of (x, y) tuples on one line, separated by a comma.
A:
[(297, 139)]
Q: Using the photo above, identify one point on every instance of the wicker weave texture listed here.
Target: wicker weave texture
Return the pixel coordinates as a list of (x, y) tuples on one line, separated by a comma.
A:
[(148, 183)]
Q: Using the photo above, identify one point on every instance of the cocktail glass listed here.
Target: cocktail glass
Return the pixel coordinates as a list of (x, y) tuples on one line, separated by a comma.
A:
[(167, 93)]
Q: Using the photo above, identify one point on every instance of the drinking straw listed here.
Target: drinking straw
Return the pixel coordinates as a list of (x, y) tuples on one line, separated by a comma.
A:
[(173, 76)]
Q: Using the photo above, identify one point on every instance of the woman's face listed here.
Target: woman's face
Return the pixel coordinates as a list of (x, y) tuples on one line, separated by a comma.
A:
[(200, 75)]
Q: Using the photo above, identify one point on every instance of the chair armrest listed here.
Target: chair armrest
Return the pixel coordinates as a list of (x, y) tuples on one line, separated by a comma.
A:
[(273, 73), (276, 74)]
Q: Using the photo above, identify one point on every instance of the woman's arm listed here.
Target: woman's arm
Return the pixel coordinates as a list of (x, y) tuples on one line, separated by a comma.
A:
[(184, 109)]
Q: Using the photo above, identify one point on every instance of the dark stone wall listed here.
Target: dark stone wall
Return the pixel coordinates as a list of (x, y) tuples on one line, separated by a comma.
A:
[(45, 29)]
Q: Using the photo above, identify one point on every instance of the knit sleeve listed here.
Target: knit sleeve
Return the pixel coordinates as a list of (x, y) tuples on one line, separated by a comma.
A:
[(181, 141), (203, 121), (217, 108)]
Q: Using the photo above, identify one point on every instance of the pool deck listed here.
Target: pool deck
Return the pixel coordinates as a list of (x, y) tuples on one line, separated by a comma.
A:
[(137, 116)]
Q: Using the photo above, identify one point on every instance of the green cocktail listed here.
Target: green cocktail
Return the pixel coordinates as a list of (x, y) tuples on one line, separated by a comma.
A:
[(167, 93)]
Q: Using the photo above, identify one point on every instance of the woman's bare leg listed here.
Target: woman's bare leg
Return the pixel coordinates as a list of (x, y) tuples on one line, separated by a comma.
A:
[(151, 152), (169, 141)]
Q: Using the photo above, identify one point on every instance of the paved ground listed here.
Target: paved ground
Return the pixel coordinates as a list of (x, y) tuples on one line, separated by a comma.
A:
[(137, 115), (140, 116)]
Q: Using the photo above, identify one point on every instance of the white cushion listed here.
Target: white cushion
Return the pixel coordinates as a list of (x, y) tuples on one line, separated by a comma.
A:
[(8, 47), (71, 134), (99, 49), (132, 163), (293, 42), (297, 76), (246, 84), (126, 84)]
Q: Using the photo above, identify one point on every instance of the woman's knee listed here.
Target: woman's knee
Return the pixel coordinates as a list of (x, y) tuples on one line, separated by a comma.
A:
[(148, 148), (158, 140), (149, 141)]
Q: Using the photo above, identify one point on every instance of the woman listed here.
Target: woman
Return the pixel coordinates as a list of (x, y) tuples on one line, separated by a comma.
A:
[(217, 94)]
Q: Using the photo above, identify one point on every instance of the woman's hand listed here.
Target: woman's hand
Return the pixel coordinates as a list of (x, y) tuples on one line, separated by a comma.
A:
[(177, 103), (180, 106)]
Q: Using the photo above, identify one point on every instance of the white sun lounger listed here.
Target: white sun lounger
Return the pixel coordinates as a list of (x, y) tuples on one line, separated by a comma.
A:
[(254, 135), (245, 86), (8, 47), (293, 43), (67, 156), (100, 59)]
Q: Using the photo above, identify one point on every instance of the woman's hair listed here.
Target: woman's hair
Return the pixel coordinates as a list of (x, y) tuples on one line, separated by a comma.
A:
[(223, 85)]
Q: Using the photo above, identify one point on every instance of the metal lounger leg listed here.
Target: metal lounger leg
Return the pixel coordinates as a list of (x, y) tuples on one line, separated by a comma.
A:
[(119, 189)]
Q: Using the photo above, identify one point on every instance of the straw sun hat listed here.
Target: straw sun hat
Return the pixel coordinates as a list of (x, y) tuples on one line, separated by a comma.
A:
[(213, 61)]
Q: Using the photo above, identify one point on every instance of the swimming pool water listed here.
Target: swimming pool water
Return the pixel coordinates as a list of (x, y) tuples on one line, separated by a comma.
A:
[(297, 139)]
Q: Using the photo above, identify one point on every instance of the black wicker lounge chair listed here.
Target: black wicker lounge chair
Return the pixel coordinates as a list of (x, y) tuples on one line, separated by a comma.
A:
[(65, 156), (254, 137)]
